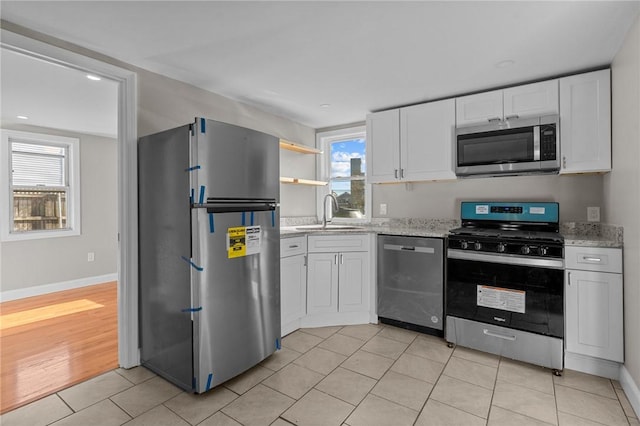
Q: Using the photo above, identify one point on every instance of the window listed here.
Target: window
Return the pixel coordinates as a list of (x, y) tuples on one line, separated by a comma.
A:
[(40, 186), (343, 165)]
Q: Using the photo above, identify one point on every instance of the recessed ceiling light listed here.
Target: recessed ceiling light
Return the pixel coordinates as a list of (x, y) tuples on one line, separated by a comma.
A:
[(325, 105), (93, 77), (505, 63), (22, 117)]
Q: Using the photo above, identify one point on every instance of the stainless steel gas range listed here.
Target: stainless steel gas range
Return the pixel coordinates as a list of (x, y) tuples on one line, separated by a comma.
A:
[(505, 278)]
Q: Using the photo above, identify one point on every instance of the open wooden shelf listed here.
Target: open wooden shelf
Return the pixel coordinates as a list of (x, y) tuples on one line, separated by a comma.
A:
[(303, 149), (298, 181)]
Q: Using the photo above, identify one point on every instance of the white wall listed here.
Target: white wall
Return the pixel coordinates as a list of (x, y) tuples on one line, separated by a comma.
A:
[(164, 103), (622, 186), (435, 200), (33, 263)]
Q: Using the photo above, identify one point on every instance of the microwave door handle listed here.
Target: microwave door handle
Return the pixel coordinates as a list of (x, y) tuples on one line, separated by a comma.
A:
[(536, 143)]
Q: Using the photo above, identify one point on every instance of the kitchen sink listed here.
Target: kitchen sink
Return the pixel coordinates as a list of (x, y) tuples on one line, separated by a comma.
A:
[(327, 227)]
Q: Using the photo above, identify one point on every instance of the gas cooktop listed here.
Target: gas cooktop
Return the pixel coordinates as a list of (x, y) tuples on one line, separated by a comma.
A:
[(510, 228)]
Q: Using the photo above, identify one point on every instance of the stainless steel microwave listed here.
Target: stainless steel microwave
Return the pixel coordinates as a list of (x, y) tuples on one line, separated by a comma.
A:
[(509, 147)]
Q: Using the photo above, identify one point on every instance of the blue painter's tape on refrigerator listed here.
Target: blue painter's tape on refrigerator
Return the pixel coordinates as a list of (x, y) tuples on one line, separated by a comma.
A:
[(190, 169), (209, 381), (251, 220), (202, 194), (278, 346), (211, 227), (191, 309), (243, 219), (273, 218), (203, 125), (190, 262)]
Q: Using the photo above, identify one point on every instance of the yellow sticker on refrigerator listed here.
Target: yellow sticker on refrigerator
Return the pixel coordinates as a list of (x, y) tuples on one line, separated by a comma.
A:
[(243, 241)]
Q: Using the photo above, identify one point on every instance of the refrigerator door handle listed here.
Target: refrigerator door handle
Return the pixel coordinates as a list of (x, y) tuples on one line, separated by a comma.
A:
[(231, 205)]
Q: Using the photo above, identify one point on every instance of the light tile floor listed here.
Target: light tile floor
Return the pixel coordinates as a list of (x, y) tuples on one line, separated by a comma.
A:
[(363, 375)]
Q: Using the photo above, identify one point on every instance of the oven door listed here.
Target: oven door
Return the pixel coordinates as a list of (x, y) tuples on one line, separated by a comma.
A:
[(510, 291)]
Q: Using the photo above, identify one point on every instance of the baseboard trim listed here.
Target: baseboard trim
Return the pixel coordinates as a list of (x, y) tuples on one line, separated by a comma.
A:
[(630, 389), (590, 365), (21, 293)]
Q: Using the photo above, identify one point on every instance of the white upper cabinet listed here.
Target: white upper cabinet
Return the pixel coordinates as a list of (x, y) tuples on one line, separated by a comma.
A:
[(528, 100), (426, 141), (383, 139), (411, 144), (531, 100), (585, 122), (479, 108)]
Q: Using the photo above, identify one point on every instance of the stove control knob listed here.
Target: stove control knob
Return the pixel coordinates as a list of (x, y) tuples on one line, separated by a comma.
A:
[(477, 246), (464, 245), (525, 250), (502, 247), (544, 251)]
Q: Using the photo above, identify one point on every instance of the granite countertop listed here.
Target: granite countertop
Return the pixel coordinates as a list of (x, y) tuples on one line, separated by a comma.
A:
[(574, 233), (592, 234), (435, 228)]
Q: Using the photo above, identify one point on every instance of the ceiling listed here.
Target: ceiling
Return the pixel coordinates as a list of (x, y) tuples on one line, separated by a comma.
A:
[(325, 63), (56, 97)]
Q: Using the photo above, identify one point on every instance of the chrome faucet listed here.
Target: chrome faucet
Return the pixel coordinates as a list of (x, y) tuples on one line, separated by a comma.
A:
[(334, 208)]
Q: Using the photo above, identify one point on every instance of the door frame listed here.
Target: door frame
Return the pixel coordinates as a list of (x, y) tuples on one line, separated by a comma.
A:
[(128, 351)]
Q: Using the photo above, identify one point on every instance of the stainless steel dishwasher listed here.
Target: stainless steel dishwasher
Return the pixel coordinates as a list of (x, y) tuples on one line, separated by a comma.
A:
[(410, 282)]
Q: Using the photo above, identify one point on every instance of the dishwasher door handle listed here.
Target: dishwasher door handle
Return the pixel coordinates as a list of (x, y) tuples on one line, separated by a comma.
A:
[(397, 247)]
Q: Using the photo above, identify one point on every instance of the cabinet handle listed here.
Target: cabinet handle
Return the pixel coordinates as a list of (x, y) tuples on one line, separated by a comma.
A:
[(335, 259), (569, 278), (401, 173), (293, 246), (512, 117), (341, 259), (494, 119), (592, 259), (305, 260), (395, 172)]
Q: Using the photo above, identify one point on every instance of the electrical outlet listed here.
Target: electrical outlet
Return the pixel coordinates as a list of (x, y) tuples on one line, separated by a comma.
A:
[(91, 256), (383, 209), (593, 214)]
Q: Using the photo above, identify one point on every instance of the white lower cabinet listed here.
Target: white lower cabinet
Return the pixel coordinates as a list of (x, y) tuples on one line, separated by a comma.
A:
[(338, 282), (594, 307), (293, 282)]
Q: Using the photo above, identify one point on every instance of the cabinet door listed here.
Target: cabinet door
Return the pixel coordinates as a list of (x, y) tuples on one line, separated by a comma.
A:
[(479, 108), (322, 283), (594, 314), (531, 100), (427, 141), (353, 282), (585, 122), (383, 141), (293, 288)]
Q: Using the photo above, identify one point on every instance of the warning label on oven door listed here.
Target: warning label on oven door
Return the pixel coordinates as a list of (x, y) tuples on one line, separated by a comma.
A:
[(501, 298)]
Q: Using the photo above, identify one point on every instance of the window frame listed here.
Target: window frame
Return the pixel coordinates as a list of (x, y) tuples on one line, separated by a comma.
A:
[(323, 142), (72, 146)]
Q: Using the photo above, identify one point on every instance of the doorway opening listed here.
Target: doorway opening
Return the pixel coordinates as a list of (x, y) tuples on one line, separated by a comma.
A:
[(123, 216)]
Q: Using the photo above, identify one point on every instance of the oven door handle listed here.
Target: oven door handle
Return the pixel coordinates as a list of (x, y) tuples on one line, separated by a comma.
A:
[(499, 336), (505, 259)]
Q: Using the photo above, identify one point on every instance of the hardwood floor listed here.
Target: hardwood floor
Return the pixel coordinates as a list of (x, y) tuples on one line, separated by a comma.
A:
[(50, 342)]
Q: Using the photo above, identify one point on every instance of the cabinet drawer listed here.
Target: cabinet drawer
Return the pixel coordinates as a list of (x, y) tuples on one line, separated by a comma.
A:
[(593, 259), (333, 243), (292, 246)]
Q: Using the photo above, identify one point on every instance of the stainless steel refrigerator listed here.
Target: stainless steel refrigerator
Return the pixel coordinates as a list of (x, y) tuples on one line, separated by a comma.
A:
[(209, 249)]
